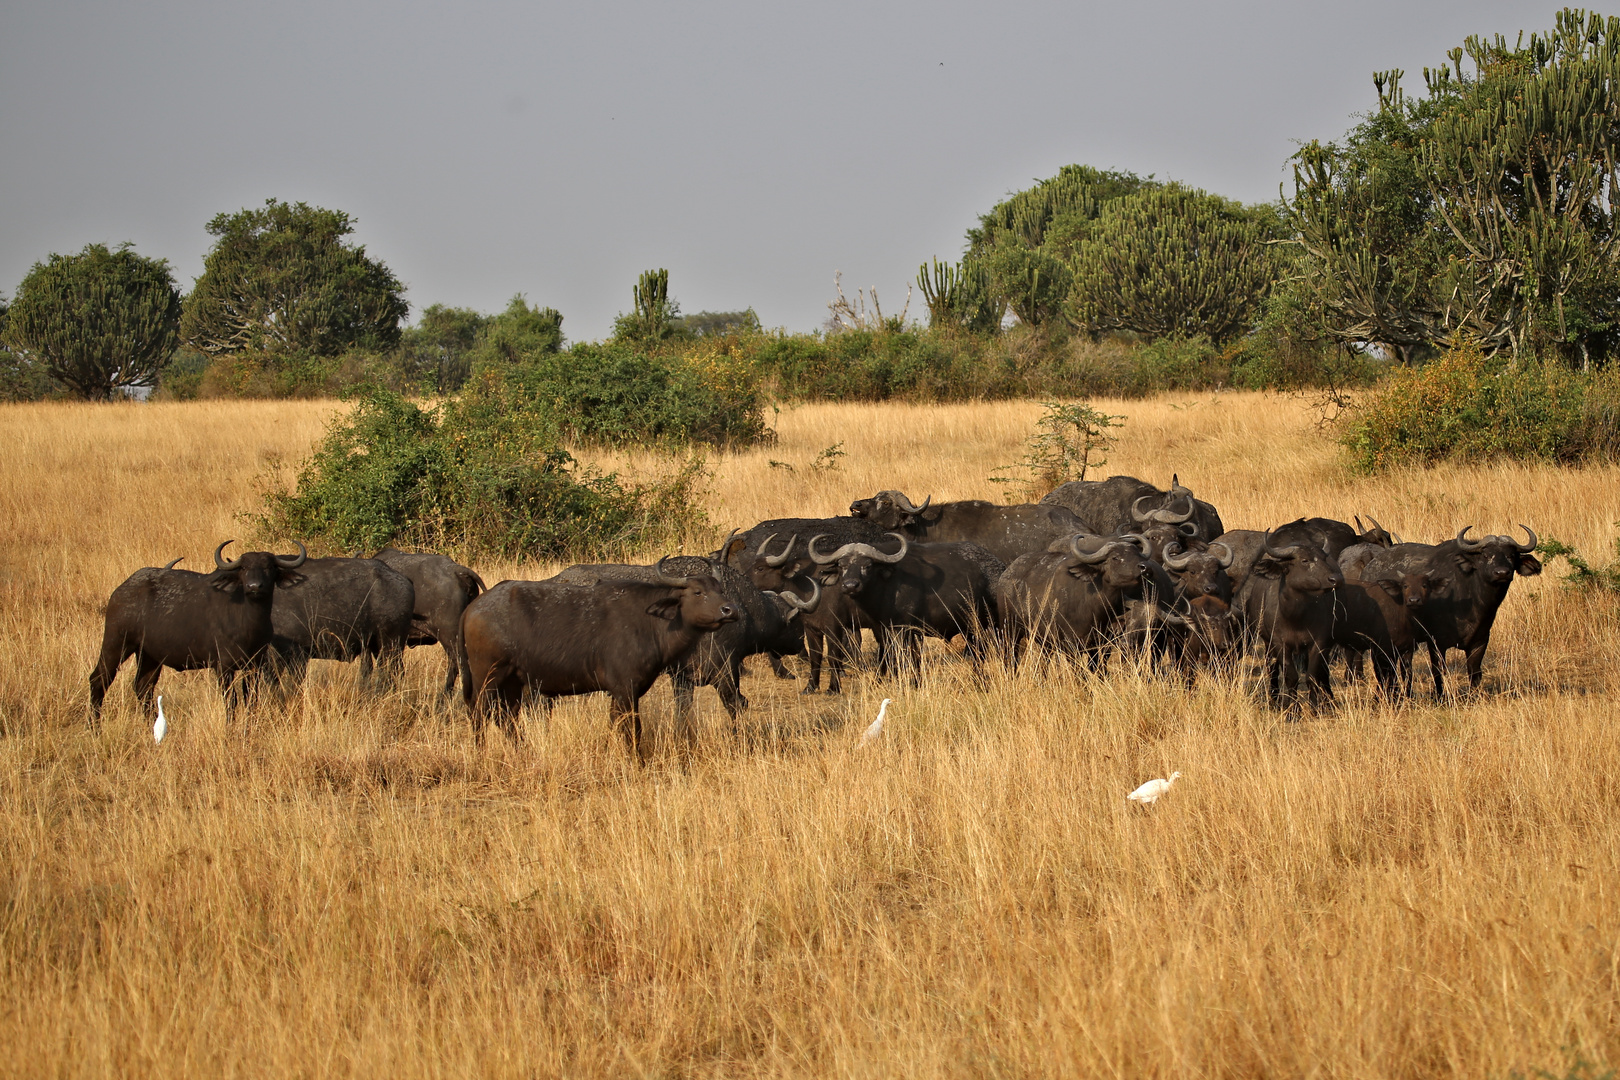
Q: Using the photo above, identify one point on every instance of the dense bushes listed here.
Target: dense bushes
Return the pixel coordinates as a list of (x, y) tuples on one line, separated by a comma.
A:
[(484, 475), (1469, 405)]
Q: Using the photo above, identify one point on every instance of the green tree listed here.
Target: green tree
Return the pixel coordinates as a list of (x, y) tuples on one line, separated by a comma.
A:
[(1173, 260), (1483, 207), (282, 280), (98, 321), (523, 331), (1025, 242), (438, 350), (959, 296)]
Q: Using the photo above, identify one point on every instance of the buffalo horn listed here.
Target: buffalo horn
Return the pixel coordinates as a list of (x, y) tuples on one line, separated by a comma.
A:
[(725, 548), (1136, 509), (1225, 560), (669, 579), (292, 562), (822, 560), (234, 564), (905, 545), (776, 560), (905, 504), (1140, 541), (1466, 544), (1531, 546), (1292, 551), (170, 564), (1174, 559), (1094, 557), (804, 605), (1176, 488)]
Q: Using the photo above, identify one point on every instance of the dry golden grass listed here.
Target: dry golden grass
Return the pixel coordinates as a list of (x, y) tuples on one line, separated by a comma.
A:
[(345, 887)]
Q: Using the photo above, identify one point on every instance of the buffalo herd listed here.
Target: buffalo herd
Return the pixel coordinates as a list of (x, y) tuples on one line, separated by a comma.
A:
[(1094, 568)]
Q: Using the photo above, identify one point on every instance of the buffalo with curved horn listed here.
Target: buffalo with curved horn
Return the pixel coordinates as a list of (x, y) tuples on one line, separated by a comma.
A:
[(185, 620)]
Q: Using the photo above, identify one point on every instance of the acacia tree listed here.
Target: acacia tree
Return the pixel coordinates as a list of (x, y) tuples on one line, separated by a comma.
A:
[(1172, 260), (98, 321), (281, 279), (1484, 208)]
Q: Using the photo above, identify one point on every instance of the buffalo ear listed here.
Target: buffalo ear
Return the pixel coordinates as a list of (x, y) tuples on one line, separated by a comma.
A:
[(1465, 564), (287, 579), (667, 608), (1266, 566), (1529, 565), (737, 544), (1393, 587), (227, 583)]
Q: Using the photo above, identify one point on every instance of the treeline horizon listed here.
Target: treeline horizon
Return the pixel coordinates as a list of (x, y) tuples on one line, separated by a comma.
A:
[(1476, 212)]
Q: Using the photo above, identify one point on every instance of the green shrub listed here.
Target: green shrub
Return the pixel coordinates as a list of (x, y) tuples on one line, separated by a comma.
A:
[(1468, 405), (480, 476), (617, 394)]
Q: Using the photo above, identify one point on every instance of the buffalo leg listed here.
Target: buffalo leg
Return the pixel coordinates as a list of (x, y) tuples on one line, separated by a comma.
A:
[(626, 717), (147, 671), (682, 688), (455, 667), (1437, 668), (815, 651), (105, 671), (1476, 665), (778, 668), (1316, 669)]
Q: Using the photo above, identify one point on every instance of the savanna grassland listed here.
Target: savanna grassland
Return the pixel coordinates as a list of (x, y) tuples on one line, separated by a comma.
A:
[(343, 885)]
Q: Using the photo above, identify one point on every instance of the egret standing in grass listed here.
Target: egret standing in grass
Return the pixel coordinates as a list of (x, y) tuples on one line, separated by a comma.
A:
[(1149, 793), (162, 725), (876, 728)]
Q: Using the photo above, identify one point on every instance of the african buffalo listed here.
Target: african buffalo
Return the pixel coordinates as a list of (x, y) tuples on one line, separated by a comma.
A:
[(1070, 595), (552, 639), (767, 622), (775, 556), (1108, 505), (1004, 531), (1328, 534), (349, 609), (443, 589), (941, 589), (185, 620), (1471, 579), (1287, 602)]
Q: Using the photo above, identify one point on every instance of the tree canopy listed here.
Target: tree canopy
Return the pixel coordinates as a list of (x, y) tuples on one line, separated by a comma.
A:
[(281, 279), (1483, 208), (98, 321)]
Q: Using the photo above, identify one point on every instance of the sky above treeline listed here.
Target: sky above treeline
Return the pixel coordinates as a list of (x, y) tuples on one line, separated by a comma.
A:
[(754, 149)]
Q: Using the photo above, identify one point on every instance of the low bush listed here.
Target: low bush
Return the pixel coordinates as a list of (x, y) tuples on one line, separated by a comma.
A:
[(618, 394), (483, 475), (1467, 405)]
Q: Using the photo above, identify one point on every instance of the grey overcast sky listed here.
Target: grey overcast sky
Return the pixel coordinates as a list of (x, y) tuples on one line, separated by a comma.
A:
[(492, 147)]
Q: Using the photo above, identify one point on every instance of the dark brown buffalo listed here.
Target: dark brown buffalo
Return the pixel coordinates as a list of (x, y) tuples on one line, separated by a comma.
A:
[(1201, 572), (348, 609), (767, 622), (1472, 579), (1071, 598), (1111, 506), (775, 557), (184, 620), (1004, 531), (924, 588), (551, 639), (1375, 617), (1328, 534), (1287, 602), (443, 589)]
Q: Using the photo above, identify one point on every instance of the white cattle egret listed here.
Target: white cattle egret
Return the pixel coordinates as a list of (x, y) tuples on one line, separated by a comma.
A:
[(162, 725), (877, 725), (1149, 792)]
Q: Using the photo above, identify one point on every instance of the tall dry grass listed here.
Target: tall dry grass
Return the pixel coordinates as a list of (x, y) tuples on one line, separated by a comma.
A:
[(343, 886)]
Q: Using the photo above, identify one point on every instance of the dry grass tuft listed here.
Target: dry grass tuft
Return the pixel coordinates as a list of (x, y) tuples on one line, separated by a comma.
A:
[(343, 885)]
